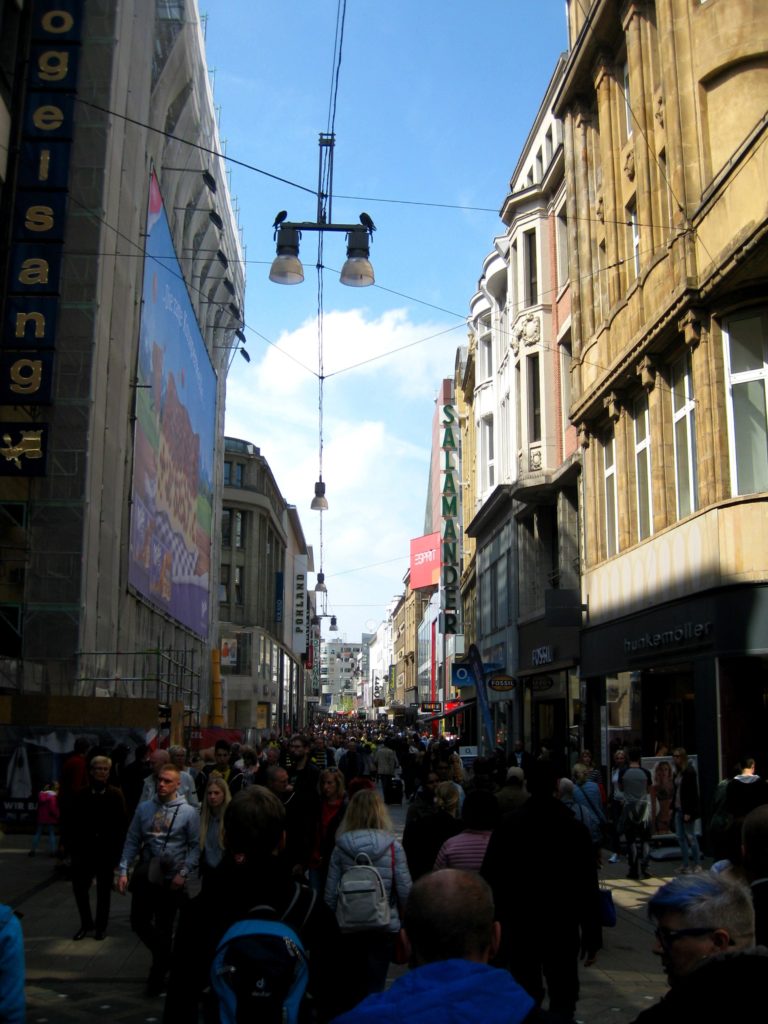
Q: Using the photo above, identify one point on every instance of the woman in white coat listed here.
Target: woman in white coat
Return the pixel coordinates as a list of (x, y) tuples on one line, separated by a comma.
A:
[(367, 829)]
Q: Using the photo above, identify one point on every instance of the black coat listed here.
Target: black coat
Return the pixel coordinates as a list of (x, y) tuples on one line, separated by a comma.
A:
[(99, 821), (541, 867)]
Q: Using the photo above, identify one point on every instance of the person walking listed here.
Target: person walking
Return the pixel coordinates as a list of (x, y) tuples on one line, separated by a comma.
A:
[(47, 818), (215, 802), (636, 818), (367, 829), (164, 836), (99, 820), (687, 809)]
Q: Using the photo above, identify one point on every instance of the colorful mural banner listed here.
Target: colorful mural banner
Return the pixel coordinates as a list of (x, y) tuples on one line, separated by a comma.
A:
[(172, 491)]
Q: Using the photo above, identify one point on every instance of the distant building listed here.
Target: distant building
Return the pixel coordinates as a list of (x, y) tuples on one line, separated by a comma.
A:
[(524, 521), (263, 604)]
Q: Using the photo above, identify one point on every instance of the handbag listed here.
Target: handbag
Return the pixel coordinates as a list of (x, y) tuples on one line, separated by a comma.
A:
[(607, 907)]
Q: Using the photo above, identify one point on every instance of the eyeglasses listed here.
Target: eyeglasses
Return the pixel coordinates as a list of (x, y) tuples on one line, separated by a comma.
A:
[(667, 936)]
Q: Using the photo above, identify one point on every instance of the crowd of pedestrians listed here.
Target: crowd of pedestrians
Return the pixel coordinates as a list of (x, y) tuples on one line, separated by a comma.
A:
[(502, 855)]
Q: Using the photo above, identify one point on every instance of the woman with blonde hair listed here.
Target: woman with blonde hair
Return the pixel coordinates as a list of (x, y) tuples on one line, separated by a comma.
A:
[(215, 801), (367, 830), (330, 814)]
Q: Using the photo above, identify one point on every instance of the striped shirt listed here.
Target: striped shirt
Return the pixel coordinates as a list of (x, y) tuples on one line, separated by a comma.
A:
[(464, 851)]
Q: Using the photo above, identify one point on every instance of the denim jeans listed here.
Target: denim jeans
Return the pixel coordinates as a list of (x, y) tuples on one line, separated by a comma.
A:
[(689, 844)]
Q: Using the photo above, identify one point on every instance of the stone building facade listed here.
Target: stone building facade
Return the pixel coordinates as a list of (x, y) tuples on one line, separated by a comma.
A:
[(666, 147)]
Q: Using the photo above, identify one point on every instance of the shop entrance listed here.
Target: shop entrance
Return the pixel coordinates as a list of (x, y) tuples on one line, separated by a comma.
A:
[(549, 728)]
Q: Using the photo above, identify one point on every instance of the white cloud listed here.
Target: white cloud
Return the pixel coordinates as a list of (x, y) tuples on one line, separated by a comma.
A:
[(377, 434)]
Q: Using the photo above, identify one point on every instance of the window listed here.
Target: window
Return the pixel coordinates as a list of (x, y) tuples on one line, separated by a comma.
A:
[(531, 269), (684, 426), (746, 355), (627, 100), (561, 234), (238, 581), (534, 400), (487, 355), (488, 452), (226, 527), (633, 243), (611, 510), (643, 469), (565, 374), (238, 525), (224, 585), (233, 474), (539, 166)]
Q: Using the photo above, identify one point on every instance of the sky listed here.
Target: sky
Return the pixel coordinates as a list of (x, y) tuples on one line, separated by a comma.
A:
[(433, 104)]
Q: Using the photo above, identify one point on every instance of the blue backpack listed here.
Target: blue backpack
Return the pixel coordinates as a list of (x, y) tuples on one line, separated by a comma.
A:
[(260, 969)]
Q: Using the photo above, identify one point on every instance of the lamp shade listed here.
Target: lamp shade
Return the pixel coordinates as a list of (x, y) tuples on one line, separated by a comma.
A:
[(286, 267), (357, 272), (319, 502), (320, 587)]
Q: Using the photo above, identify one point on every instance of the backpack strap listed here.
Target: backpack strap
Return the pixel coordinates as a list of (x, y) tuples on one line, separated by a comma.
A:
[(296, 914), (393, 893)]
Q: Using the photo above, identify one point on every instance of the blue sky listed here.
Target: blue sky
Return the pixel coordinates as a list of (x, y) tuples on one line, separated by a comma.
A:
[(433, 106)]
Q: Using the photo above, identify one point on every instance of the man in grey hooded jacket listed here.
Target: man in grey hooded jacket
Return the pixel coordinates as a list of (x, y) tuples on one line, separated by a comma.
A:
[(164, 835)]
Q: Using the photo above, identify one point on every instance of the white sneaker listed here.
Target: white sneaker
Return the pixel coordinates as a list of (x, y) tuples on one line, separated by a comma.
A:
[(614, 858)]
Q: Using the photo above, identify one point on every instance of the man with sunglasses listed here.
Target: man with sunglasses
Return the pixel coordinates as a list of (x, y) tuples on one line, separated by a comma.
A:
[(705, 934)]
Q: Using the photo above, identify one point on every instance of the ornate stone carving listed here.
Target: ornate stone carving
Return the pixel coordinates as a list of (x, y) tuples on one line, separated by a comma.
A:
[(658, 111), (534, 459), (629, 164), (528, 330), (647, 371), (584, 435), (692, 326), (612, 405)]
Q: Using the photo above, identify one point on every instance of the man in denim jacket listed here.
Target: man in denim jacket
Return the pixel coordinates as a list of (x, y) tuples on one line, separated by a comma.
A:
[(165, 827)]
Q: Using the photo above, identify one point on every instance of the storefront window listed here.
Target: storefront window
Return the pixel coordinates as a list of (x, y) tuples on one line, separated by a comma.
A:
[(622, 697)]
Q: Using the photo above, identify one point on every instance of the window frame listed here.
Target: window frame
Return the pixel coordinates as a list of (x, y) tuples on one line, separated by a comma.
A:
[(687, 413), (741, 378), (531, 267), (644, 463), (610, 495)]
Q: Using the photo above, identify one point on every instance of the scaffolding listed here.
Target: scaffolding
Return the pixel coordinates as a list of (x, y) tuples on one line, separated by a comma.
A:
[(167, 675)]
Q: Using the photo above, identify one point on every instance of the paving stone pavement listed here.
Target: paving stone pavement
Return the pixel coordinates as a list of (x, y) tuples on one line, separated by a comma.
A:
[(82, 981)]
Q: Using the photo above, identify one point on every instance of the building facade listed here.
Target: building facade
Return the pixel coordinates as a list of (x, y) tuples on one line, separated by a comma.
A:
[(122, 283), (525, 523), (666, 147), (261, 601)]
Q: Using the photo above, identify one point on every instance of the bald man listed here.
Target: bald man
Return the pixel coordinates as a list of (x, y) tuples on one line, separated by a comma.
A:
[(449, 935)]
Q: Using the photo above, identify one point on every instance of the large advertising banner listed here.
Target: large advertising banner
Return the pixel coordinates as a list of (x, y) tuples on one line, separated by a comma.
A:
[(172, 491), (425, 561)]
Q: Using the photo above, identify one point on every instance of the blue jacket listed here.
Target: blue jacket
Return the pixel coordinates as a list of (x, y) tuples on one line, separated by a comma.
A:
[(12, 1009), (451, 991)]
